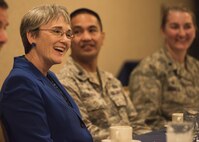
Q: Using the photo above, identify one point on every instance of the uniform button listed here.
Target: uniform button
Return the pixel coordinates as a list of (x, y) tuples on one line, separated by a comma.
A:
[(169, 63)]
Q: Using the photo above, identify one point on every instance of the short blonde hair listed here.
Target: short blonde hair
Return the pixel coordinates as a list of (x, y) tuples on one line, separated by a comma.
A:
[(38, 16)]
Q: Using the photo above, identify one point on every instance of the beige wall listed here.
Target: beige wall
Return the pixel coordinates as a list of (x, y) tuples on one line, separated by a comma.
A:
[(131, 26)]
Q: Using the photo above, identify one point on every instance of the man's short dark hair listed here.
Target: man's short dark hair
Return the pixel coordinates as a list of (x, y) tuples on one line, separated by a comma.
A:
[(3, 4), (87, 11)]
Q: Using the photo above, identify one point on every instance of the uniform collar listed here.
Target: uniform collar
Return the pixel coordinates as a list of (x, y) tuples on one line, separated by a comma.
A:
[(172, 64), (82, 74)]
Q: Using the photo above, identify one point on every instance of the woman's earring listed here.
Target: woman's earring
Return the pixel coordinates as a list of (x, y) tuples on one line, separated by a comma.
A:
[(33, 44)]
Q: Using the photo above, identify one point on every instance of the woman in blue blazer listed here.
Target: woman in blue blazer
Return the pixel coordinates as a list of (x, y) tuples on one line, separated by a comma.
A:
[(35, 107)]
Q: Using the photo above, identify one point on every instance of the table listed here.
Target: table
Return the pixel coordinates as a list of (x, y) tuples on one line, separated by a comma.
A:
[(155, 136)]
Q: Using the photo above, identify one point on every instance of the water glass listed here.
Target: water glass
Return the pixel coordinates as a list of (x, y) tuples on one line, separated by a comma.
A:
[(191, 114), (179, 132)]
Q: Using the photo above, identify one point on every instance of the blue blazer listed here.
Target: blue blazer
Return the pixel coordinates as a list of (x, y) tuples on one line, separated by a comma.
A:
[(33, 110)]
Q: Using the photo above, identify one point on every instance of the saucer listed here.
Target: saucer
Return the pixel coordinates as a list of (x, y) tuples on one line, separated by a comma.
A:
[(108, 140), (136, 141)]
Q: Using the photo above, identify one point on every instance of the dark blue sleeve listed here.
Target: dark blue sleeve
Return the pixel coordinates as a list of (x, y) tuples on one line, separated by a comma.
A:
[(24, 112)]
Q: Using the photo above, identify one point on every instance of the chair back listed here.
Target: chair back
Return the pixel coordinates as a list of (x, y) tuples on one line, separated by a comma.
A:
[(3, 134)]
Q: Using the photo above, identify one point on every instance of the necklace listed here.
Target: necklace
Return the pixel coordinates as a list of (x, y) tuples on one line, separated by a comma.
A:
[(59, 90)]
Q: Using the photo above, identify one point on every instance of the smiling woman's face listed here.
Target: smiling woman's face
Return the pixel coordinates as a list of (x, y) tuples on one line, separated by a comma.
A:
[(179, 31), (51, 47)]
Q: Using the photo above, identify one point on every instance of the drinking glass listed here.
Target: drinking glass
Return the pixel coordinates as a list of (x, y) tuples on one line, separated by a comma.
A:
[(179, 132), (191, 114)]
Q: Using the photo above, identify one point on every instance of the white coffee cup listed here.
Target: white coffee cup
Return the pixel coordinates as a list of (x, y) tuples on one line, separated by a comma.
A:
[(177, 117), (121, 133)]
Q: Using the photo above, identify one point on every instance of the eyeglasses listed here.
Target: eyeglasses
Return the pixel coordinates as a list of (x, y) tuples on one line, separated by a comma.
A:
[(59, 33)]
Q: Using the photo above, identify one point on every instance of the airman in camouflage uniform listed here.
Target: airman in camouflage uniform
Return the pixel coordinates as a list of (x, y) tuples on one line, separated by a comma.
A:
[(100, 96), (100, 106), (160, 86), (168, 81)]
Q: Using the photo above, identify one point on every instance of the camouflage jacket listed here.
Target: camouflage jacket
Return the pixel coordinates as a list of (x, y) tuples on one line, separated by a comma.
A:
[(100, 105), (160, 86)]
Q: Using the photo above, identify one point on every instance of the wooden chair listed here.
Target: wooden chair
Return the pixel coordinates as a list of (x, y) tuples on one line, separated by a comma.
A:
[(3, 134)]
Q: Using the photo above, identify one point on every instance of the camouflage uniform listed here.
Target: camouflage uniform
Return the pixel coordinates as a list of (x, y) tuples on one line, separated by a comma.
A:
[(159, 86), (100, 106)]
